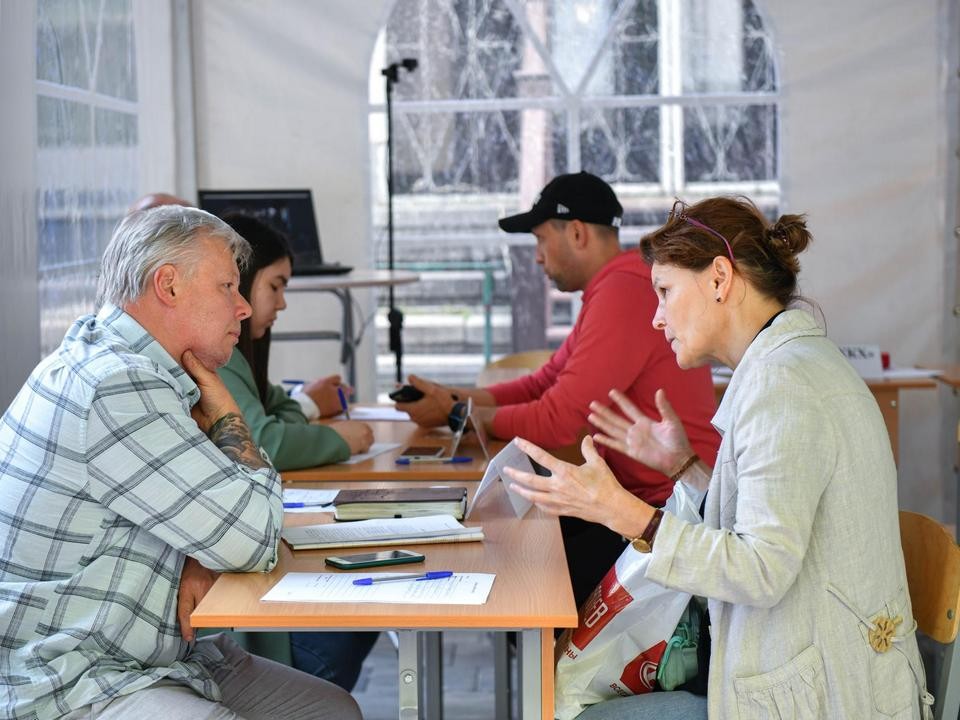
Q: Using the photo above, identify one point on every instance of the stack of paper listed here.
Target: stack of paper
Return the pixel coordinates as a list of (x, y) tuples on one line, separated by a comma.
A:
[(398, 531), (400, 502)]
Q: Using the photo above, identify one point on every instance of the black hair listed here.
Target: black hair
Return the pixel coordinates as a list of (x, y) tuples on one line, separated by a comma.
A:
[(268, 245)]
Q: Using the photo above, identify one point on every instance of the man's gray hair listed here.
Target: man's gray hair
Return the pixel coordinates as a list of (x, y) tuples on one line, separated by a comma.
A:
[(146, 240)]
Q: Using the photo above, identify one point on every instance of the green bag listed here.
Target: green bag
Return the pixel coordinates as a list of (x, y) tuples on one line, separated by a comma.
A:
[(679, 662)]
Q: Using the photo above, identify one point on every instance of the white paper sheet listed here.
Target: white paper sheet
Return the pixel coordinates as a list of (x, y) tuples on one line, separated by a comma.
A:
[(370, 414), (513, 457), (375, 449), (460, 589), (315, 500), (379, 529), (905, 373)]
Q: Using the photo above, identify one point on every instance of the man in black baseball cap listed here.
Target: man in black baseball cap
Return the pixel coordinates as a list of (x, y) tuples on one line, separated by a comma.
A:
[(577, 196), (576, 221)]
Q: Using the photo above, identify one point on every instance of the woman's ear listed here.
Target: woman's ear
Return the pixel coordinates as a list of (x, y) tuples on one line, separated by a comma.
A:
[(722, 278)]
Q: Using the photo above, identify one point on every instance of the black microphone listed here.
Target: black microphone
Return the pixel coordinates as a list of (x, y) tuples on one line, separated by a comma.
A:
[(392, 71)]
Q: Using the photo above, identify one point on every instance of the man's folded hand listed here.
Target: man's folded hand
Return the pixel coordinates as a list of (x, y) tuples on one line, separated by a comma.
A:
[(195, 581)]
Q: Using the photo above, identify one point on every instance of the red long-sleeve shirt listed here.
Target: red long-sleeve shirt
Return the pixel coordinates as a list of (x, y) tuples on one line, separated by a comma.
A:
[(612, 345)]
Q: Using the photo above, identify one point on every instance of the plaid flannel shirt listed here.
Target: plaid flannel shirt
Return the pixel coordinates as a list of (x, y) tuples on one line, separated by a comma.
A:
[(106, 484)]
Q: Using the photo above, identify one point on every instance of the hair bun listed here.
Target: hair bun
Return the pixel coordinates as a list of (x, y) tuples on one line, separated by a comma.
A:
[(789, 234)]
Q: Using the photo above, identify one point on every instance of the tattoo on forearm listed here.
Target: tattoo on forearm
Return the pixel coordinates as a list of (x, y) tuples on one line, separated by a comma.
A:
[(231, 434)]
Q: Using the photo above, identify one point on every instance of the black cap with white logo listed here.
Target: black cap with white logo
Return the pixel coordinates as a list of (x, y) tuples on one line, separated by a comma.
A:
[(578, 196)]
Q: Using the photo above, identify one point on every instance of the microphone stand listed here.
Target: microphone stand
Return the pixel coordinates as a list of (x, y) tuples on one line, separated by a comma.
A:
[(394, 315)]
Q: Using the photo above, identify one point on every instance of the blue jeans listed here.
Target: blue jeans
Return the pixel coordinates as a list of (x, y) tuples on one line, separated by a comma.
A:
[(334, 656), (675, 705)]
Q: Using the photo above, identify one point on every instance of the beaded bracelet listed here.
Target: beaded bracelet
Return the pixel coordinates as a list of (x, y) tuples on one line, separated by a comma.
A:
[(687, 464)]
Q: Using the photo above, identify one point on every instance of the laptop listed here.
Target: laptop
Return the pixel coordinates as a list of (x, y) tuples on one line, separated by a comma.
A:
[(289, 211)]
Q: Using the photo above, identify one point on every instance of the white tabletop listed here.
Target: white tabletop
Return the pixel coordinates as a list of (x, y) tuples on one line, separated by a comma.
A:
[(354, 279)]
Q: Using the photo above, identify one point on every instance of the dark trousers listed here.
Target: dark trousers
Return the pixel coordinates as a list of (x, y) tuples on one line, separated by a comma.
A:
[(591, 551)]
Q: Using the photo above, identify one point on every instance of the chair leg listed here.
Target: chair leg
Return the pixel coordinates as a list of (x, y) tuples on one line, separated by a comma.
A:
[(947, 704)]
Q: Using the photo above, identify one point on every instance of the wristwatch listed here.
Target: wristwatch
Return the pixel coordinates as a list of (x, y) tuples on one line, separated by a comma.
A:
[(457, 415), (644, 543)]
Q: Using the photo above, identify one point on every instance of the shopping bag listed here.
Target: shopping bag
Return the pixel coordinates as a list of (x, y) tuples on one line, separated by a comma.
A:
[(623, 627)]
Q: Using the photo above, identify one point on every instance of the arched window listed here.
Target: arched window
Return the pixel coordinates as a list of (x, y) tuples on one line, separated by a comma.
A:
[(662, 98)]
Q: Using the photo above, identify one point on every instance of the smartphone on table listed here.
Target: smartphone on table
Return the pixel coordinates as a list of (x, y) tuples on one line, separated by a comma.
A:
[(374, 559), (416, 452)]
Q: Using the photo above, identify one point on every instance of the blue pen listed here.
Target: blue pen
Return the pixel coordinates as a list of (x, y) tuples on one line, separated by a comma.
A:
[(434, 575), (449, 460), (291, 505), (343, 401)]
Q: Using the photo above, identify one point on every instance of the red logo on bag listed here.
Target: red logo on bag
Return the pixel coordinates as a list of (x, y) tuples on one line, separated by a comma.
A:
[(640, 674), (606, 600)]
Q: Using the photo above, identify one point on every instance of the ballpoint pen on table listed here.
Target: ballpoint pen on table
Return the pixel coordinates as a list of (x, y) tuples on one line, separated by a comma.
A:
[(343, 402), (433, 575), (292, 505), (454, 459)]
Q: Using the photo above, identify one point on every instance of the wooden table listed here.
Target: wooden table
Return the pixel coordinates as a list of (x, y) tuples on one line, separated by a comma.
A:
[(947, 374), (384, 466), (531, 595)]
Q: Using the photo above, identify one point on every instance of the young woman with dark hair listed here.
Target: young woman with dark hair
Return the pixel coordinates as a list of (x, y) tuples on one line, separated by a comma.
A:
[(281, 425)]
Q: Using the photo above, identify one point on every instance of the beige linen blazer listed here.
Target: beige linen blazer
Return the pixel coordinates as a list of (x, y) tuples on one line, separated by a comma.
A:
[(800, 545)]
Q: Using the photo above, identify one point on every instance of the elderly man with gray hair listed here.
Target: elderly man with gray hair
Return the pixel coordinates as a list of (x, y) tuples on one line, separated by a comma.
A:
[(127, 479)]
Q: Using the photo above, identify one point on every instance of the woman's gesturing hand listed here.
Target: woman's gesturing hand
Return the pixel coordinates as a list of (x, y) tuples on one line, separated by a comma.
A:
[(661, 445), (589, 491)]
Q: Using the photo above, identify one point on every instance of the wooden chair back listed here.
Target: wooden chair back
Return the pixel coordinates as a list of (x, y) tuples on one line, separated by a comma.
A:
[(529, 359), (933, 575), (511, 367)]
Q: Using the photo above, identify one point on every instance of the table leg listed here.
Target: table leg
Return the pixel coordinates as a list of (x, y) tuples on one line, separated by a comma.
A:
[(431, 675), (408, 662), (531, 669), (348, 346), (502, 691), (888, 399)]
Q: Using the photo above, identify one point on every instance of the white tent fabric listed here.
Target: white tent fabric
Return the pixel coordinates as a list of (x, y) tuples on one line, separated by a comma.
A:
[(866, 151), (869, 114)]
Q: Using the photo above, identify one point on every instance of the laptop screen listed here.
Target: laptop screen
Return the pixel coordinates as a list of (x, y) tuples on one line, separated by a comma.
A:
[(289, 211)]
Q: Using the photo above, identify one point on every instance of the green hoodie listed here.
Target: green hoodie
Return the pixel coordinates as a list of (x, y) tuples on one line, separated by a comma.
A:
[(280, 427)]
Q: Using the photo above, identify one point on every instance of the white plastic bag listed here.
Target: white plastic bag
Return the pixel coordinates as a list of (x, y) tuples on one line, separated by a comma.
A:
[(623, 627)]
